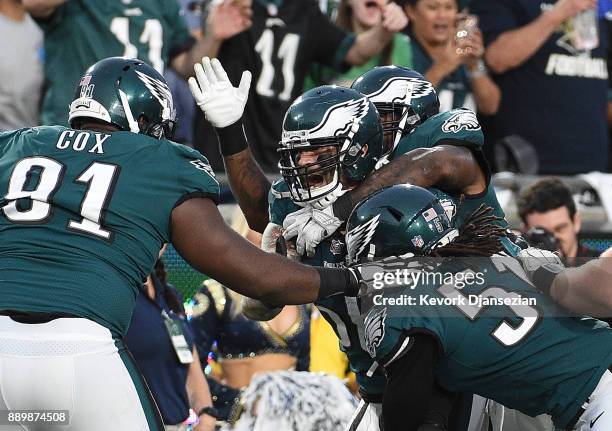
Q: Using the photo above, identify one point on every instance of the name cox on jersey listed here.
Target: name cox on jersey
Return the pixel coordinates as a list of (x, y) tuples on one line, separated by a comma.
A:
[(79, 143)]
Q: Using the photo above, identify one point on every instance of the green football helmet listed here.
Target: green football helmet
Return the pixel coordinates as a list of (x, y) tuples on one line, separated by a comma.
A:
[(396, 221), (331, 139), (403, 97), (127, 93)]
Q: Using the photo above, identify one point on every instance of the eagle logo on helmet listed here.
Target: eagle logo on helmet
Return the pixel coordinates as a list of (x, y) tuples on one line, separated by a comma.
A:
[(374, 329), (161, 92), (461, 119), (359, 238), (337, 120), (401, 89)]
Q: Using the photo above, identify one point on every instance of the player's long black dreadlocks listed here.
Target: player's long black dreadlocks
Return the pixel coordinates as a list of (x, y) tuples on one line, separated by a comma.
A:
[(478, 236)]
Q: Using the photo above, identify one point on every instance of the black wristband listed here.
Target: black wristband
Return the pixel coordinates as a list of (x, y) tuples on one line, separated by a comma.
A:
[(210, 411), (232, 139), (334, 281), (342, 207), (338, 281), (544, 277)]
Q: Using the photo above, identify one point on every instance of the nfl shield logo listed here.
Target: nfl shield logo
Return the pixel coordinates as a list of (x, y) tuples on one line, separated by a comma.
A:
[(336, 247), (418, 241)]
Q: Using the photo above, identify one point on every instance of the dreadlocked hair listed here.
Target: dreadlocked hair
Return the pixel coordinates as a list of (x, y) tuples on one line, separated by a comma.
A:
[(478, 236)]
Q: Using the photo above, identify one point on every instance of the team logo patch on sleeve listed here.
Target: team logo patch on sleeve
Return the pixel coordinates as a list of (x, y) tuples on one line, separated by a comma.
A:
[(374, 329), (461, 119), (199, 164)]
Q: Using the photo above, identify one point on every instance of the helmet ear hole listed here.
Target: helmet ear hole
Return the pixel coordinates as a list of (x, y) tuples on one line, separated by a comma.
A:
[(397, 215)]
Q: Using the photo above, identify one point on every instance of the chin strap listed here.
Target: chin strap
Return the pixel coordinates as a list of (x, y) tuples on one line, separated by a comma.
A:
[(328, 199), (128, 112)]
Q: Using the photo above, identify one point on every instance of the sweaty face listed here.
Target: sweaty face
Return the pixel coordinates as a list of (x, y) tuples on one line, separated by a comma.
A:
[(560, 224), (321, 165), (433, 20)]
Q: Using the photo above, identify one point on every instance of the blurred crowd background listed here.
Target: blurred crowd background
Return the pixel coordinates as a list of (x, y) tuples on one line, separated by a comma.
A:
[(536, 72)]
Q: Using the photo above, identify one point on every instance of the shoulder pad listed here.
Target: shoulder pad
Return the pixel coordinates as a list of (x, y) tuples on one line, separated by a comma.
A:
[(280, 189)]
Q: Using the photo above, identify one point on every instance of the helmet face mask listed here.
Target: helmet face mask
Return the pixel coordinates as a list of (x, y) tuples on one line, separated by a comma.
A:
[(161, 130), (312, 170), (126, 93), (403, 97), (397, 120), (331, 139)]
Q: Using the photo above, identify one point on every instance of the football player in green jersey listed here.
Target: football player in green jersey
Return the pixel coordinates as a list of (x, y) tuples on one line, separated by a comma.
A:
[(318, 123), (522, 355), (248, 183), (84, 212)]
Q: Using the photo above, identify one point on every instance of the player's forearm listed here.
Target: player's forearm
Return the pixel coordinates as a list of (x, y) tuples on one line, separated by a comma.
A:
[(424, 167), (586, 289), (514, 47), (205, 241), (409, 168), (41, 8), (248, 183), (368, 44)]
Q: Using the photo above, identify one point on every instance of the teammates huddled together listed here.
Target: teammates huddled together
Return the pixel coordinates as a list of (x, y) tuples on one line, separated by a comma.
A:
[(374, 180), (333, 155)]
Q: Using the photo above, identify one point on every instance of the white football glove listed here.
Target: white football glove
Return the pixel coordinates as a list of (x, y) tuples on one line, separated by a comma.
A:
[(311, 226), (533, 258), (222, 103), (269, 237)]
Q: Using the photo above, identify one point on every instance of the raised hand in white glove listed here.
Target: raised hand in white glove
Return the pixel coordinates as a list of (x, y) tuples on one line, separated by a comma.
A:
[(535, 260), (221, 102), (310, 226)]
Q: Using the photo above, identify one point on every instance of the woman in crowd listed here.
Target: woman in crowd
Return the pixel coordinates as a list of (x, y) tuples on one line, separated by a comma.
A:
[(358, 16), (245, 347), (162, 344), (448, 49)]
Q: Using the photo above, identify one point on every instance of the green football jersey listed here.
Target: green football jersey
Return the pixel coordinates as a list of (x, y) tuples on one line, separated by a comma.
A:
[(341, 313), (498, 337), (457, 127), (81, 32), (84, 214)]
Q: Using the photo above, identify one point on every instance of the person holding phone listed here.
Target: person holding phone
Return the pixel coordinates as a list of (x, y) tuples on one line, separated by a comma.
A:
[(447, 48)]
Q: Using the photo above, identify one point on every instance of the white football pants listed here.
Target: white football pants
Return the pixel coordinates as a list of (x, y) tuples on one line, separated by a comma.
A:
[(76, 365)]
